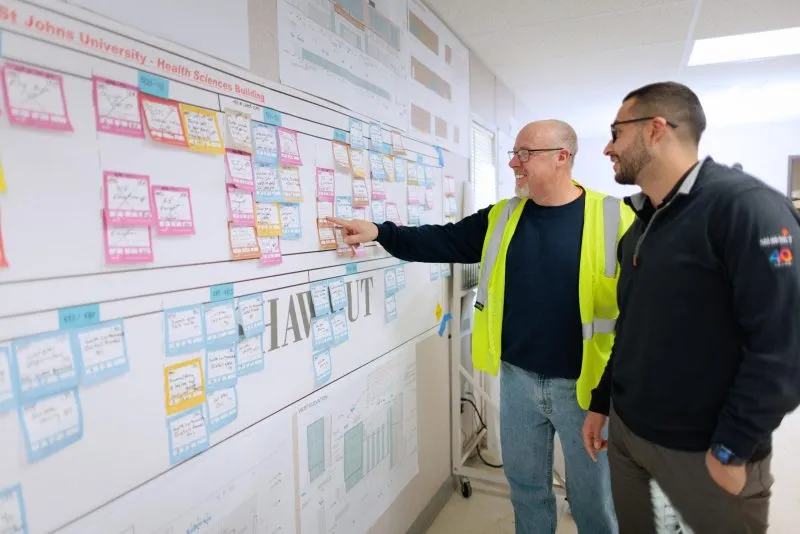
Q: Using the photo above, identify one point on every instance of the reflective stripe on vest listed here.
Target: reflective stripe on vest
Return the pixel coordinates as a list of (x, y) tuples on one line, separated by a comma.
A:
[(612, 217)]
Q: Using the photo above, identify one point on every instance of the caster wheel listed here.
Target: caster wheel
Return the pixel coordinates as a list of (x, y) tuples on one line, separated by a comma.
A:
[(466, 489)]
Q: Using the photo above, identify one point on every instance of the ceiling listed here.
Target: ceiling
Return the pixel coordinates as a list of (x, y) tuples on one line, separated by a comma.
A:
[(576, 59)]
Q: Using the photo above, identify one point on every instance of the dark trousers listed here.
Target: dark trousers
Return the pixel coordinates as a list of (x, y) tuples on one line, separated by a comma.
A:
[(683, 477)]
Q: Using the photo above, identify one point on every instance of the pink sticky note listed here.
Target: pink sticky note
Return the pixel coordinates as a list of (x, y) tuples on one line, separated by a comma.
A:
[(270, 250), (378, 190), (34, 97), (126, 199), (326, 188), (288, 148), (127, 244), (173, 207), (241, 207), (116, 107), (240, 169)]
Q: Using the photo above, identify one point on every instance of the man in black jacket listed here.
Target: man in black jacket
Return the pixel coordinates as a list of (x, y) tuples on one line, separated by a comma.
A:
[(706, 360)]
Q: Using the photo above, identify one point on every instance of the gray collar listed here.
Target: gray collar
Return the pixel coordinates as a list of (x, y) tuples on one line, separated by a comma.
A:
[(638, 200)]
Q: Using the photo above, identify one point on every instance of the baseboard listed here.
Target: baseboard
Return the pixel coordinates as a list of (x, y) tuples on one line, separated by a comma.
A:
[(426, 518)]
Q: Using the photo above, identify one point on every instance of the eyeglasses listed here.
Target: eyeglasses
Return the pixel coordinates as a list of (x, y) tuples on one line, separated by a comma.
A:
[(524, 154), (629, 121)]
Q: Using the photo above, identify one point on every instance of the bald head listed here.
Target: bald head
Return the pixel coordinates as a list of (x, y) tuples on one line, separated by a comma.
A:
[(549, 133)]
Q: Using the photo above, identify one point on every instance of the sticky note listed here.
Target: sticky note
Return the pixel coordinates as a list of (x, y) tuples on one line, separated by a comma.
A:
[(440, 153), (267, 185), (390, 281), (44, 364), (51, 424), (250, 313), (250, 355), (35, 97), (401, 277), (288, 148), (265, 144), (323, 367), (221, 292), (273, 117), (163, 120), (102, 351), (339, 326), (443, 324), (221, 369), (202, 129), (7, 399), (320, 299), (357, 134), (219, 320), (420, 158), (223, 407), (239, 129), (390, 308), (153, 85), (290, 221), (239, 167), (78, 316), (270, 250), (351, 268), (243, 242), (339, 135), (12, 511), (338, 291), (126, 199), (173, 206), (184, 386), (321, 333), (184, 330), (116, 107), (127, 244), (187, 433)]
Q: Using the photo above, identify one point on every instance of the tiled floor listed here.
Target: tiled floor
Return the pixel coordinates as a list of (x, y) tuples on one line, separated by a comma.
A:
[(490, 513)]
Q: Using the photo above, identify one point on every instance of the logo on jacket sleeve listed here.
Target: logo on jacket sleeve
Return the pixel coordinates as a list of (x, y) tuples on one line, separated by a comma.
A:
[(780, 248)]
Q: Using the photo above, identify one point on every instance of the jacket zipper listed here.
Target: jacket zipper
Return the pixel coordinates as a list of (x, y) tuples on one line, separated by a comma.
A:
[(647, 229)]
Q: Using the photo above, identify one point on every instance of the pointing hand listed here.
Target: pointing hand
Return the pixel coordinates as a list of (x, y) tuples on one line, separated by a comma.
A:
[(356, 231)]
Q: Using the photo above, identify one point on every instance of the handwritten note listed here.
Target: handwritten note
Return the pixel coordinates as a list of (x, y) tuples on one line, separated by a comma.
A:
[(390, 281), (268, 220), (221, 366), (12, 511), (243, 242), (222, 407), (339, 325), (272, 116), (321, 332), (327, 240), (323, 367), (449, 186), (202, 129), (393, 213), (127, 244), (450, 207), (290, 220), (338, 292), (220, 292), (78, 316), (102, 351), (444, 271), (173, 207), (220, 322), (400, 275), (267, 184), (35, 97), (265, 144), (44, 364), (163, 120), (289, 148), (241, 208), (414, 215), (378, 211), (187, 434), (360, 213), (397, 143), (183, 385), (376, 167), (434, 272), (116, 107), (51, 423), (127, 199), (7, 400), (358, 164), (341, 155), (388, 165), (357, 134), (320, 298), (270, 250), (390, 308), (250, 313), (378, 190), (343, 250), (400, 169), (239, 130), (239, 169), (412, 170), (183, 330), (344, 207), (290, 184), (250, 355), (360, 192), (325, 184), (428, 199)]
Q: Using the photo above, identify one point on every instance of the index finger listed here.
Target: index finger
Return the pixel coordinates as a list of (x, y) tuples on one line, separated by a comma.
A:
[(338, 221)]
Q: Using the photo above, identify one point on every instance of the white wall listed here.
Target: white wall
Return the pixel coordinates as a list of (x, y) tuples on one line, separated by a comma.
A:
[(762, 149)]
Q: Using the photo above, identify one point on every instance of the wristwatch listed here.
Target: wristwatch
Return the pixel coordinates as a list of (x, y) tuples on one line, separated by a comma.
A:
[(725, 455)]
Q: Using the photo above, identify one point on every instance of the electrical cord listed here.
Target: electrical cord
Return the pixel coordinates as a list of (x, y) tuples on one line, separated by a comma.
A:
[(483, 426)]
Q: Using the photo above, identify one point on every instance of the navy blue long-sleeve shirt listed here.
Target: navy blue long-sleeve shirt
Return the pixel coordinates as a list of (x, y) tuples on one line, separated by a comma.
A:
[(541, 317)]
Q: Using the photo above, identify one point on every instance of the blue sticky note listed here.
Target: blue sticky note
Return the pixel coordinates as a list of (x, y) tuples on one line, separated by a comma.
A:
[(250, 355), (153, 85), (338, 292), (250, 314), (376, 167), (399, 169), (420, 158), (184, 330), (220, 324), (102, 351), (323, 367), (339, 135), (14, 510), (65, 430), (357, 134), (221, 369), (340, 329), (435, 272), (265, 145), (221, 292), (191, 427), (223, 407), (387, 148), (42, 365), (351, 268), (390, 308), (290, 219), (78, 316), (400, 275), (440, 153), (273, 117), (321, 333), (390, 281), (7, 399), (320, 298), (443, 324)]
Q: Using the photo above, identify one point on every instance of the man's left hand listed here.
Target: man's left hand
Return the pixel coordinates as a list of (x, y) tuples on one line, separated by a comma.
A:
[(731, 478)]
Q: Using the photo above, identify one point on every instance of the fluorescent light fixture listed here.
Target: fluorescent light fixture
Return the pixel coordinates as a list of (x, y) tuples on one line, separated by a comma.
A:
[(745, 47)]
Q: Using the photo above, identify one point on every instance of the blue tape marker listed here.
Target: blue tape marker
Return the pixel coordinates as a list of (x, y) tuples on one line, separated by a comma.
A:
[(339, 135), (273, 117), (221, 292), (440, 152), (78, 316), (153, 85), (352, 268), (443, 324)]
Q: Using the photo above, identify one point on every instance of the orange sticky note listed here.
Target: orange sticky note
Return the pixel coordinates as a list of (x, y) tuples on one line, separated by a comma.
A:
[(202, 129), (244, 242), (183, 385)]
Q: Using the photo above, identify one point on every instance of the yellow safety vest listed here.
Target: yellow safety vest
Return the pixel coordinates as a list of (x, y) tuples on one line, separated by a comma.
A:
[(606, 219)]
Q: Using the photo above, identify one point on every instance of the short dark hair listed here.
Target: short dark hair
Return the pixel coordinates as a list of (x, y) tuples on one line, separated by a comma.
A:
[(673, 101)]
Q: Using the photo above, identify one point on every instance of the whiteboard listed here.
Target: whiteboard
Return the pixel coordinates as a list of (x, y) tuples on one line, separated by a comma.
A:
[(98, 436)]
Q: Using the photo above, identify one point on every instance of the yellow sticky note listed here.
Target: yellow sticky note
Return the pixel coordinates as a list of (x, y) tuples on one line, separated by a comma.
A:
[(3, 187), (184, 386), (439, 312), (202, 129)]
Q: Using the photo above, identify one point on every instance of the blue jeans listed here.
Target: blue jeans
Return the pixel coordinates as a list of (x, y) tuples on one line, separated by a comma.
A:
[(532, 409)]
